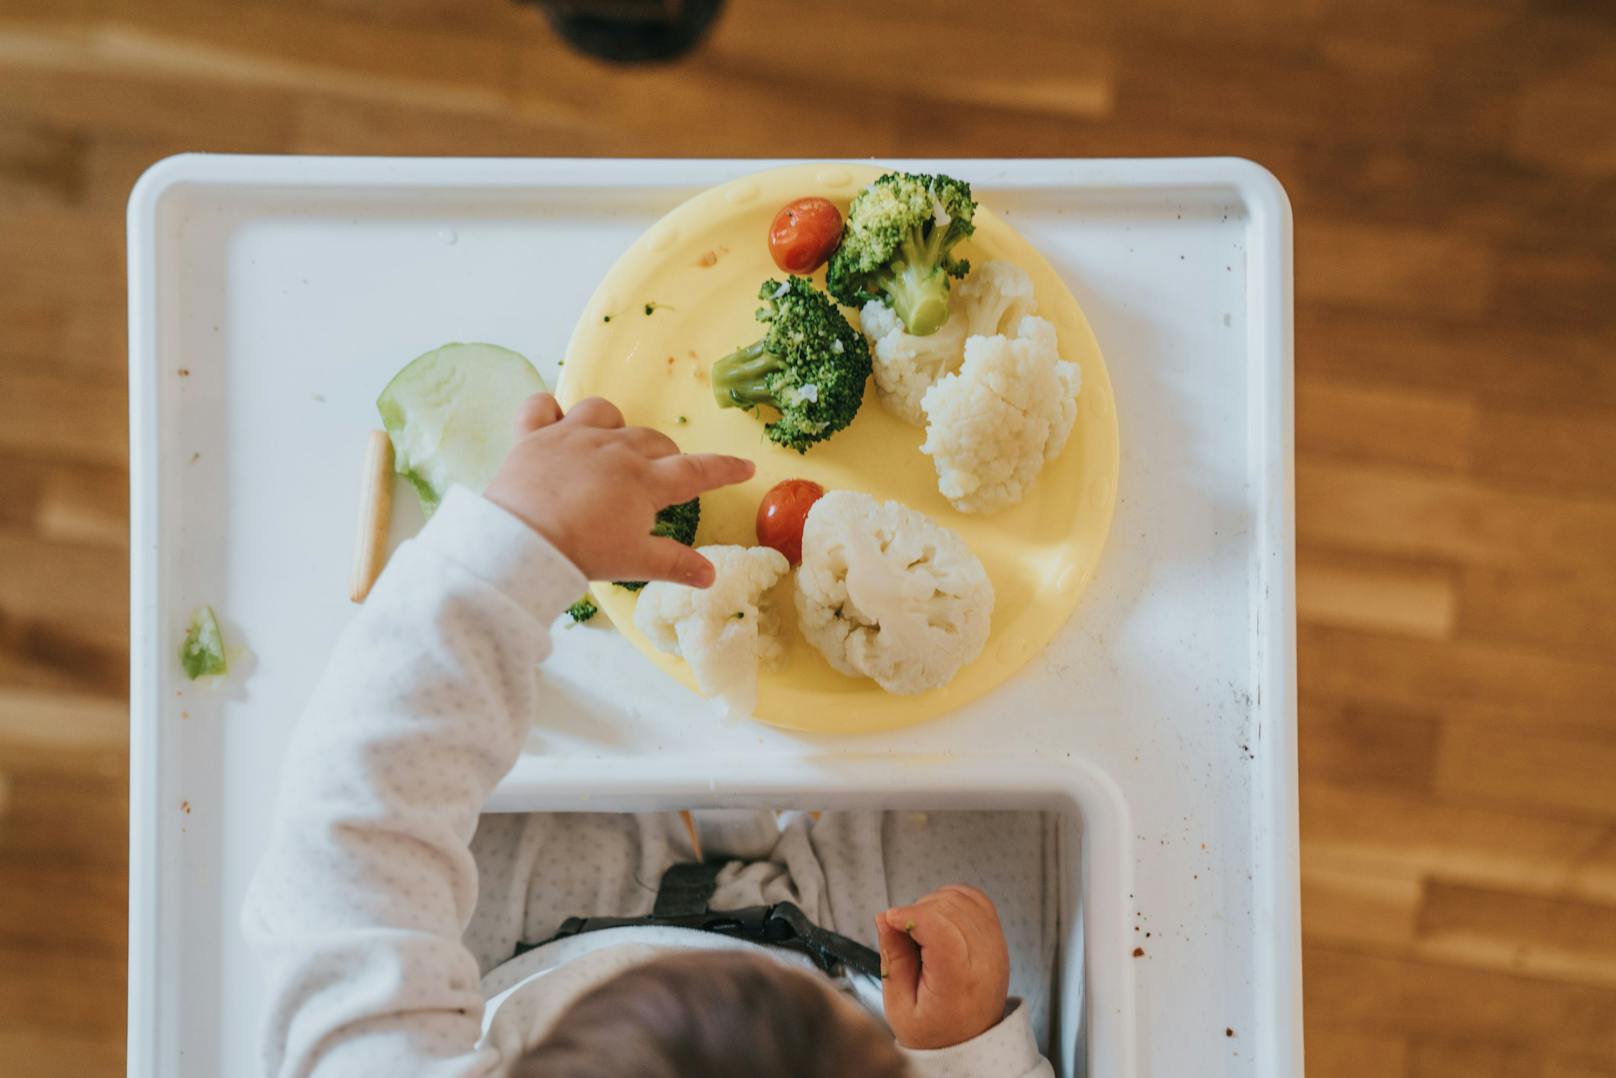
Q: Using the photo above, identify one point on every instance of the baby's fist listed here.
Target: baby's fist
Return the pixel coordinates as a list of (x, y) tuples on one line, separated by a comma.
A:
[(946, 968)]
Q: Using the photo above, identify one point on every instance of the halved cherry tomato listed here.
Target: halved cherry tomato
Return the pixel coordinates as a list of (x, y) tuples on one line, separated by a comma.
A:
[(804, 233), (783, 512)]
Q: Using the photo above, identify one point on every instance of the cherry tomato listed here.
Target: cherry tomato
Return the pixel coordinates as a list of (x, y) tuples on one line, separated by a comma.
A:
[(804, 233), (783, 512)]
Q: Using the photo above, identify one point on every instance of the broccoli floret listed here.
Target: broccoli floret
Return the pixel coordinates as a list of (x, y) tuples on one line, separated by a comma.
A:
[(810, 366), (674, 522), (582, 610), (895, 247)]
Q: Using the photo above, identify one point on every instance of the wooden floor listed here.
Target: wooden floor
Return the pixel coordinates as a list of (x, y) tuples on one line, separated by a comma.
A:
[(1453, 169)]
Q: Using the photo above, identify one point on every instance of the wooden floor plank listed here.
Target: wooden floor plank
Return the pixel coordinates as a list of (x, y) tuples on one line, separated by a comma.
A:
[(1569, 612), (1347, 829), (1551, 938), (46, 991), (1564, 288), (1498, 1058), (1525, 361), (308, 50), (57, 721), (66, 593), (328, 124), (1419, 515), (50, 75), (86, 906), (1393, 268), (84, 505), (43, 162), (1528, 769), (1359, 907), (1567, 450), (1378, 594), (57, 332), (1332, 1054), (1368, 745), (69, 818), (57, 1055), (1467, 681), (1454, 1002), (1568, 124), (51, 417), (1375, 423)]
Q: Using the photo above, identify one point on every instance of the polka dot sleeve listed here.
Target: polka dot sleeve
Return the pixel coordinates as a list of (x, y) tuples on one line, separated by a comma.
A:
[(357, 909), (1008, 1050)]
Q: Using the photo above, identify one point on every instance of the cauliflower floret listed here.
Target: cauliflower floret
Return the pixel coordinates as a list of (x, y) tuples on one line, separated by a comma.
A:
[(996, 295), (905, 366), (991, 427), (725, 631), (993, 299), (887, 593)]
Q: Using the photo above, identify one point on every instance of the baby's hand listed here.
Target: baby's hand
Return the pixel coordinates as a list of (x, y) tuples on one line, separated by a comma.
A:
[(592, 487), (946, 968)]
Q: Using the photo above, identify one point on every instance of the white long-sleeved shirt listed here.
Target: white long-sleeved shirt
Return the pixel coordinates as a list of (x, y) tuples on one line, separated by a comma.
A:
[(359, 905)]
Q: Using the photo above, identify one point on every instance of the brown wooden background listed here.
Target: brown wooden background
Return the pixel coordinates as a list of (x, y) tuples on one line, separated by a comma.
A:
[(1453, 169)]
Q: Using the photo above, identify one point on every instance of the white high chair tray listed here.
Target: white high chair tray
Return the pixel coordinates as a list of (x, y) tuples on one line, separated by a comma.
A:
[(271, 298)]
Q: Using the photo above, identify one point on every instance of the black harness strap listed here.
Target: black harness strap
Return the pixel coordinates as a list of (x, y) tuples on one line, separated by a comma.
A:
[(685, 890), (682, 902)]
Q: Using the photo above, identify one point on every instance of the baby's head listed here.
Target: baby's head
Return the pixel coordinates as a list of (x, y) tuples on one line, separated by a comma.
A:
[(713, 1014)]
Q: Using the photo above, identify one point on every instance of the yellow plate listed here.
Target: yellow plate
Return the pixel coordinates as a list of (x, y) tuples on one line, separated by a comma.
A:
[(701, 266)]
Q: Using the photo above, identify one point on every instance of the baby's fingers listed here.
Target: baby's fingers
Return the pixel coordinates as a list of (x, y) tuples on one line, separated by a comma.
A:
[(689, 474), (900, 964), (596, 412), (669, 559), (943, 945), (536, 413)]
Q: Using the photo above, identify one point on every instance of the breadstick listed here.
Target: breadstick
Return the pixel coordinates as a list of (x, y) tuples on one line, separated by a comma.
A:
[(375, 510)]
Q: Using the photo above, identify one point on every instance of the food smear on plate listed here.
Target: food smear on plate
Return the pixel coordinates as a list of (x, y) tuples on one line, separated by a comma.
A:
[(202, 651), (898, 245), (887, 593), (810, 366), (725, 632), (783, 512), (804, 233), (451, 415)]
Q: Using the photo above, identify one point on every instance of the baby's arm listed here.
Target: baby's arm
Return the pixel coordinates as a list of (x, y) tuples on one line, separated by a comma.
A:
[(360, 901), (946, 974)]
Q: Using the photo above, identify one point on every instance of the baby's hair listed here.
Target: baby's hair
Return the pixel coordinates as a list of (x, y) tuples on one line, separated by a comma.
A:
[(713, 1015)]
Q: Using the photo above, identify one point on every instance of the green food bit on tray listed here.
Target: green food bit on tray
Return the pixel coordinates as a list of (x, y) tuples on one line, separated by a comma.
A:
[(202, 653), (582, 610)]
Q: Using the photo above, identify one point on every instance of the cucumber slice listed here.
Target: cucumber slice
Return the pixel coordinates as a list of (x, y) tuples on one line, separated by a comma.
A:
[(450, 414)]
